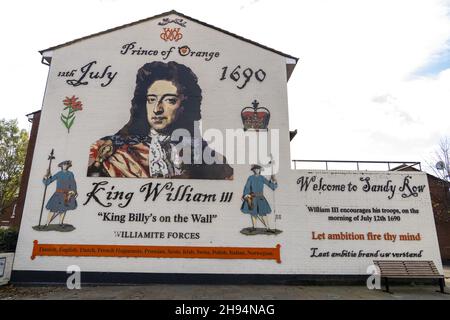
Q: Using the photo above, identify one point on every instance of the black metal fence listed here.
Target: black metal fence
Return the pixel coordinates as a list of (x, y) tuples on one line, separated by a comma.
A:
[(356, 165)]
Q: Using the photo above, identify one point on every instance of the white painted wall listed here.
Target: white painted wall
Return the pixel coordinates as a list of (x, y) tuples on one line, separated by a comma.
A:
[(106, 110)]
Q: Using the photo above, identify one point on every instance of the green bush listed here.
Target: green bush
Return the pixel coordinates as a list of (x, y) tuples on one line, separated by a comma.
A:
[(8, 240)]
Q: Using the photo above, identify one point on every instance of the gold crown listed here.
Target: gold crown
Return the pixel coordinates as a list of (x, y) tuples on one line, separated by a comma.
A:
[(255, 117)]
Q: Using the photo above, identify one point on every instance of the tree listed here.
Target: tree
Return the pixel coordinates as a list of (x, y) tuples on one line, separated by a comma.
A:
[(440, 163), (440, 167), (13, 149)]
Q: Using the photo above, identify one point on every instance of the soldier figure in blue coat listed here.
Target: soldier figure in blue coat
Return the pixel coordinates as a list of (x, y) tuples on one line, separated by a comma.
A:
[(255, 204), (64, 198)]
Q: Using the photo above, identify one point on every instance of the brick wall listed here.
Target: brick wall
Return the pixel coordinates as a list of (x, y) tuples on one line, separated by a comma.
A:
[(440, 200), (15, 222), (7, 217)]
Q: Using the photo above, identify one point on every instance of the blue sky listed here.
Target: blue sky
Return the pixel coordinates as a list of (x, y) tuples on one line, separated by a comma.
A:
[(437, 63)]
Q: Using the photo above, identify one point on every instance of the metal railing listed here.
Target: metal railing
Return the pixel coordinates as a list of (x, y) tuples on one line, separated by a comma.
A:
[(389, 165)]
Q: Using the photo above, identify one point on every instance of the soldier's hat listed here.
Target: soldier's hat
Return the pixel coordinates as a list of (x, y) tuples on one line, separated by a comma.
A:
[(255, 166), (67, 162)]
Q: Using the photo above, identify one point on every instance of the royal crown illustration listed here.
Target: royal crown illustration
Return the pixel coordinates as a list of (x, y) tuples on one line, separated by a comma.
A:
[(255, 117)]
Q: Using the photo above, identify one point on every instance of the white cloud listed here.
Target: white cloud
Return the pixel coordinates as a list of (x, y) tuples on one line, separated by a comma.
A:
[(351, 58)]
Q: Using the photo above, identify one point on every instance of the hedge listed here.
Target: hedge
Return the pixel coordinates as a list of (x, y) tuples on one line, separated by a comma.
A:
[(8, 240)]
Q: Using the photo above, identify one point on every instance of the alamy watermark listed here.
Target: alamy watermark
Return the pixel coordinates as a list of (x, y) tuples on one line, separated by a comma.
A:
[(74, 279), (374, 280), (237, 146)]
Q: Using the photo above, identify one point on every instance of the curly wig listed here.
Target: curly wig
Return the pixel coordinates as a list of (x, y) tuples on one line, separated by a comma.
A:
[(185, 81)]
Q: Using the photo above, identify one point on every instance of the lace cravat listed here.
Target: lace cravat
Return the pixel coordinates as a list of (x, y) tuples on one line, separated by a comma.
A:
[(163, 161)]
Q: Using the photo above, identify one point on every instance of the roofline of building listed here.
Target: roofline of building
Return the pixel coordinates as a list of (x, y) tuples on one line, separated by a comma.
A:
[(159, 16), (32, 113), (401, 167), (437, 178)]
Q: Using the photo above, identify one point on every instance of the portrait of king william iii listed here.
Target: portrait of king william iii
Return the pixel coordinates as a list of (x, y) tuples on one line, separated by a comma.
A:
[(161, 138)]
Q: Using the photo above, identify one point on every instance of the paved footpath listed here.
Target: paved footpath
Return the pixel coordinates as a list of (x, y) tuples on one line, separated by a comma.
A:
[(232, 292)]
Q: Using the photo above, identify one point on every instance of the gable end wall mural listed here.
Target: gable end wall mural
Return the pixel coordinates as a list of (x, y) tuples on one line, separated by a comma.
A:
[(143, 164)]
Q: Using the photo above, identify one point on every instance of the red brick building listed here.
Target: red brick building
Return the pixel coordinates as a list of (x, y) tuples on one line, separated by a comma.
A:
[(8, 217), (440, 200)]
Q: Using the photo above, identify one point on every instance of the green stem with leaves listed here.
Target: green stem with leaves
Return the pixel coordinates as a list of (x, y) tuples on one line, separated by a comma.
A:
[(69, 118)]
